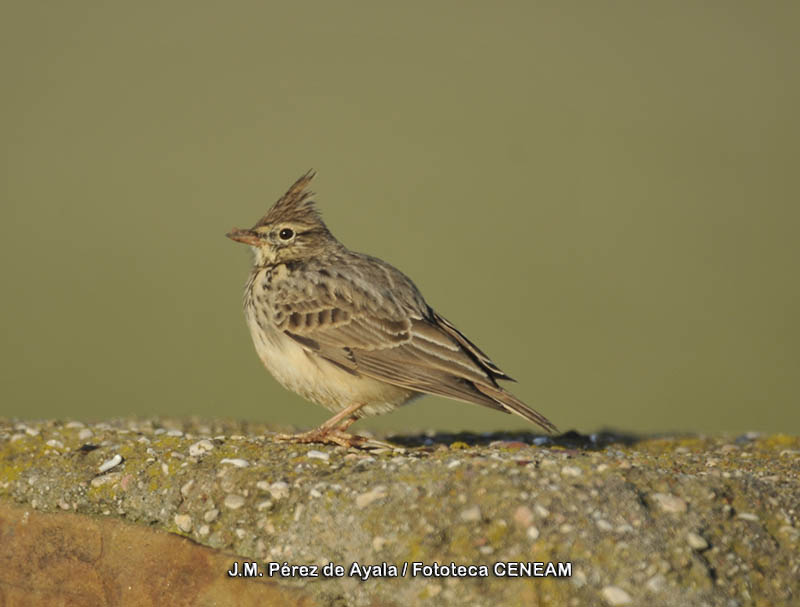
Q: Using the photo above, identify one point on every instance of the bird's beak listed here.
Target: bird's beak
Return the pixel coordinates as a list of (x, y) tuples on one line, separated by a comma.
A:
[(246, 236)]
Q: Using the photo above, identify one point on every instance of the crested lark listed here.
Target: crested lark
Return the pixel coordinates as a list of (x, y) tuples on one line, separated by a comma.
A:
[(349, 331)]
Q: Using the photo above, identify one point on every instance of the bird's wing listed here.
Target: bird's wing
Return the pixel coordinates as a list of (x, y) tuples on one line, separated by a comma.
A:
[(398, 344)]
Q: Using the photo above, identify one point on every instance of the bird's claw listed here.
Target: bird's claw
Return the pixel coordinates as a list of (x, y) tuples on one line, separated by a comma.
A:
[(333, 437)]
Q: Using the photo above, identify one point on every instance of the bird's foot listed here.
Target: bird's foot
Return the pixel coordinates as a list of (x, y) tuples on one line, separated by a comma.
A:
[(327, 436)]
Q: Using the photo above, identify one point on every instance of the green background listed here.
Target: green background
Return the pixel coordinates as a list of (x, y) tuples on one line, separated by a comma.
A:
[(603, 195)]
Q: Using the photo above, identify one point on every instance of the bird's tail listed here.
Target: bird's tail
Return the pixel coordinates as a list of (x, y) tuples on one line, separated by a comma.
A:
[(512, 404)]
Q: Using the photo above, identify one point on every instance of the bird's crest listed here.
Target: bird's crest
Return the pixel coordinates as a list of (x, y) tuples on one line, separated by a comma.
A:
[(295, 205)]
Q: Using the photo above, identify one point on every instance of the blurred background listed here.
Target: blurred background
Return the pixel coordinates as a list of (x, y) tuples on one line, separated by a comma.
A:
[(603, 196)]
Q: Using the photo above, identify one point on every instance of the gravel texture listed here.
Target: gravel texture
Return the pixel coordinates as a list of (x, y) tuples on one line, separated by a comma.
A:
[(663, 521)]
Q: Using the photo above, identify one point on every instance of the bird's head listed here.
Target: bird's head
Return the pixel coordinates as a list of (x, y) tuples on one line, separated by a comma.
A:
[(292, 230)]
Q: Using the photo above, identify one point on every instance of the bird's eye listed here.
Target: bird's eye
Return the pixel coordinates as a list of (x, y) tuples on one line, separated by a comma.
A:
[(286, 234)]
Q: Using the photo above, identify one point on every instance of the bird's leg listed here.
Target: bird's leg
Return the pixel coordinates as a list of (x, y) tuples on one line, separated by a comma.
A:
[(345, 424), (343, 419), (332, 431)]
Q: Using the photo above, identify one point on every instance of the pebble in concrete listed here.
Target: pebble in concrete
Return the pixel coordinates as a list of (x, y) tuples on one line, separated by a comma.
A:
[(110, 463), (669, 503), (365, 499), (471, 514), (184, 522), (696, 541), (211, 515), (614, 595), (239, 463), (234, 501), (314, 454), (201, 447), (279, 490)]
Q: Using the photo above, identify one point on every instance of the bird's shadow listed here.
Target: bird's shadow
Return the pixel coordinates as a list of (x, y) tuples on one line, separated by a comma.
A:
[(567, 440)]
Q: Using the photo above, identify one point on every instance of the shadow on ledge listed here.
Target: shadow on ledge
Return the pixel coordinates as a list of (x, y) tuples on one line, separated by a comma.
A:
[(568, 440)]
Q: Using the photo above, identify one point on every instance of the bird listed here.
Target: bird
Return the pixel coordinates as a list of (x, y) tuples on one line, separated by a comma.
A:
[(349, 331)]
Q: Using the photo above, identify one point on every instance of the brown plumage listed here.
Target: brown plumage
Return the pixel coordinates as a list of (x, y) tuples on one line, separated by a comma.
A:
[(295, 205), (351, 332)]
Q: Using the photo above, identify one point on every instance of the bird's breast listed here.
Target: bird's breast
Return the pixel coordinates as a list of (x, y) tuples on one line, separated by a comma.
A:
[(306, 373)]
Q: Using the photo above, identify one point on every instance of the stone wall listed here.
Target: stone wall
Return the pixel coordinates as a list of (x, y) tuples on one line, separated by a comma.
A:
[(95, 513)]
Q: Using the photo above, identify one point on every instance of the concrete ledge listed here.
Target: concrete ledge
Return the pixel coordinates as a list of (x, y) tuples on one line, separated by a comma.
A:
[(668, 521)]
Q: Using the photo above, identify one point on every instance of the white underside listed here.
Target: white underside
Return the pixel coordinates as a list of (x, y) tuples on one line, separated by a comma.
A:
[(302, 371)]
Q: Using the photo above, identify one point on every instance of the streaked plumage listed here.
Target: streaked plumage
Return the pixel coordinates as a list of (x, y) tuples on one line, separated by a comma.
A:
[(349, 331)]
